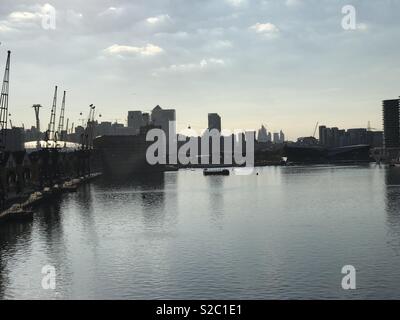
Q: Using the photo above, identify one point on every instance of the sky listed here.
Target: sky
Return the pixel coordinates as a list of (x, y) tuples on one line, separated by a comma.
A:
[(287, 64)]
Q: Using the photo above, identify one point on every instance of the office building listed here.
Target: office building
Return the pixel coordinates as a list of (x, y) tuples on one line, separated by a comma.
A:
[(135, 120), (391, 128), (276, 137), (262, 134), (214, 121), (165, 119)]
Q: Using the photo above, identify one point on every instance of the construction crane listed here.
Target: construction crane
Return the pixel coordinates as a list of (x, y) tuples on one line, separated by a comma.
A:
[(90, 126), (51, 129), (61, 121), (37, 107), (315, 130), (67, 126), (4, 103)]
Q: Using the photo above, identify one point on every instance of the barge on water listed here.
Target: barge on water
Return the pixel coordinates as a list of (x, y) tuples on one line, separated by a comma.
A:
[(216, 172)]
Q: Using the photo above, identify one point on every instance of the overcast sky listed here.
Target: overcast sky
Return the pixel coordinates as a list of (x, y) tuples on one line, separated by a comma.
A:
[(283, 63)]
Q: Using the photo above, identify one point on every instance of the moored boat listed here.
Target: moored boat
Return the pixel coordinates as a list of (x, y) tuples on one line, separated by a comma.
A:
[(216, 172)]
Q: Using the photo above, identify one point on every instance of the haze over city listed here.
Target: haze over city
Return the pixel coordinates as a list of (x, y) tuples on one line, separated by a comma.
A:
[(285, 64)]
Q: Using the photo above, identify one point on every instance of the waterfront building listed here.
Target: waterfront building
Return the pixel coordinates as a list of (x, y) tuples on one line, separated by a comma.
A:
[(162, 117), (335, 137), (214, 121), (391, 127), (135, 120)]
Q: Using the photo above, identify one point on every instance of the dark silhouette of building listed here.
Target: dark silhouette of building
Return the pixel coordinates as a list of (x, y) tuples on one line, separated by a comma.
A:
[(214, 121), (391, 128), (135, 120), (335, 137)]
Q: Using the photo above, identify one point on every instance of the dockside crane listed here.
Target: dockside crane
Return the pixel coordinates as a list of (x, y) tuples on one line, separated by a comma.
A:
[(51, 130), (61, 121), (315, 129), (67, 127), (37, 107), (4, 103), (89, 128)]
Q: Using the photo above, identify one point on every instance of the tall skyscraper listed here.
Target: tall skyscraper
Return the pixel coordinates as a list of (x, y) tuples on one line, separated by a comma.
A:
[(262, 134), (214, 121), (391, 127), (164, 118), (135, 120), (276, 137), (146, 119), (322, 135), (281, 137)]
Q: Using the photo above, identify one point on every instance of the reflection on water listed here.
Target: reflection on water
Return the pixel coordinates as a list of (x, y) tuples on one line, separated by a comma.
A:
[(11, 235), (216, 199), (282, 232), (392, 179)]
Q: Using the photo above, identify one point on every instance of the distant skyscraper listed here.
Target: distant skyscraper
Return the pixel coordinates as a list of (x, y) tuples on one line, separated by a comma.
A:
[(269, 137), (262, 134), (276, 137), (281, 137), (135, 120), (162, 118), (391, 127), (214, 121), (146, 119), (322, 135)]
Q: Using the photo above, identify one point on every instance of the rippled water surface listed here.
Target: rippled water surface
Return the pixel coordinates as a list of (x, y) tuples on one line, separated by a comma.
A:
[(284, 233)]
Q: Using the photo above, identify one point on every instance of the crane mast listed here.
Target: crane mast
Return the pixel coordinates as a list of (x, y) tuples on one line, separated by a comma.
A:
[(4, 103), (51, 129), (37, 107), (61, 121)]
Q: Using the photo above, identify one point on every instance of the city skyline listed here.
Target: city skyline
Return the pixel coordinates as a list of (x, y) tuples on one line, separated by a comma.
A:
[(249, 60)]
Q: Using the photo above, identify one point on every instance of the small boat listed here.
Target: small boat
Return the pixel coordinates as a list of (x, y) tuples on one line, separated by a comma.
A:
[(69, 186), (216, 172), (17, 213)]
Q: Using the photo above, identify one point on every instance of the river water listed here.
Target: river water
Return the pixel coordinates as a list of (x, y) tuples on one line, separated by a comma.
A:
[(284, 233)]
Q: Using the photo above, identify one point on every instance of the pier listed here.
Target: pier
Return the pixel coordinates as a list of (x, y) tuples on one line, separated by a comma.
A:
[(39, 170)]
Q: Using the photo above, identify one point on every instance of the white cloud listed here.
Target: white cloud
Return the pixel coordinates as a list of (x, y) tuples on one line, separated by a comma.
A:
[(111, 11), (4, 27), (189, 67), (148, 50), (159, 19), (18, 19), (23, 16), (268, 29), (237, 3)]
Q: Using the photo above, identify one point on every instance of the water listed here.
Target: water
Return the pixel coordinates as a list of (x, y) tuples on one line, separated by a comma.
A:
[(285, 233)]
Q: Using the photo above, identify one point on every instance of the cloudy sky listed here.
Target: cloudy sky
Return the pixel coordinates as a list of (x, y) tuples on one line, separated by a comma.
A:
[(284, 63)]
